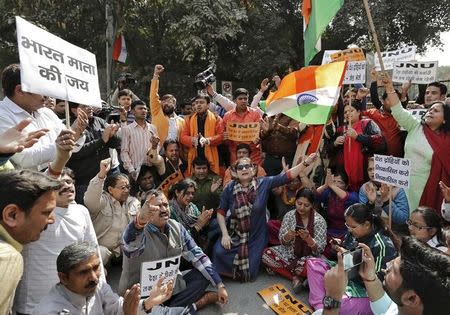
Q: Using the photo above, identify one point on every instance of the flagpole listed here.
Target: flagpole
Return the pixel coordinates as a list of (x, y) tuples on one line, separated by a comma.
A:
[(374, 33)]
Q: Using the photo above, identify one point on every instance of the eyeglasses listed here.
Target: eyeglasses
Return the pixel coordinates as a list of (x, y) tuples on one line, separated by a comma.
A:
[(415, 225), (241, 167), (351, 227)]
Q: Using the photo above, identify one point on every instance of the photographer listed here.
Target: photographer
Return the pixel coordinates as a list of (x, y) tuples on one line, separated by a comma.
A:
[(124, 81), (365, 226), (416, 282)]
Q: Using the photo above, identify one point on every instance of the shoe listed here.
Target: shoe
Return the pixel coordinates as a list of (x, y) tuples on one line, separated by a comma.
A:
[(297, 284), (206, 299)]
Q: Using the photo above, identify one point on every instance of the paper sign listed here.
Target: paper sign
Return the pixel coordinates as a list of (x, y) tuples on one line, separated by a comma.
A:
[(327, 56), (392, 170), (243, 131), (170, 180), (417, 72), (418, 113), (153, 270), (281, 301), (390, 57), (355, 72), (351, 54), (53, 67)]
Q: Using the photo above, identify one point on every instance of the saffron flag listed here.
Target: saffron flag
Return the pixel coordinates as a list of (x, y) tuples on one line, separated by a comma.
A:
[(317, 14), (119, 52), (308, 95)]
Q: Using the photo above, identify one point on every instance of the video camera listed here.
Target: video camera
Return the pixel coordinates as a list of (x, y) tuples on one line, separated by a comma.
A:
[(204, 78), (126, 80)]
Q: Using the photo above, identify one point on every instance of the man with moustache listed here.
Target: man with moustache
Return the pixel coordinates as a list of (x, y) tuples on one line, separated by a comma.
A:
[(83, 290), (417, 282), (27, 200), (19, 105), (202, 133), (152, 237), (72, 224), (168, 124)]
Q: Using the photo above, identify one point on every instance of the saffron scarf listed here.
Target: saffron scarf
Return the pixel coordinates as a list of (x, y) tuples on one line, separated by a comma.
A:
[(240, 227), (440, 169), (211, 153), (354, 159)]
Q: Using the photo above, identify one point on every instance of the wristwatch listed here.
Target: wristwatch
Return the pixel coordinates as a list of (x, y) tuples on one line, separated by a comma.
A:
[(329, 303)]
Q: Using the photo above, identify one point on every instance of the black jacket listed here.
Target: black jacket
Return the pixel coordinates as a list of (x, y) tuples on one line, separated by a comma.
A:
[(86, 162)]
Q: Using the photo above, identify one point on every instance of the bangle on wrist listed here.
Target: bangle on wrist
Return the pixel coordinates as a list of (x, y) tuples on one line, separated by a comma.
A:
[(369, 280)]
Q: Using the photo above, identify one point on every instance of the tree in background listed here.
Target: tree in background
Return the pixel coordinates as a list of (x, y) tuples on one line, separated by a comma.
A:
[(248, 40)]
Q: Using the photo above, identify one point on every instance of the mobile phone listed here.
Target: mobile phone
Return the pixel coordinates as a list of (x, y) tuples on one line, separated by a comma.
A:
[(352, 258), (115, 117), (299, 227)]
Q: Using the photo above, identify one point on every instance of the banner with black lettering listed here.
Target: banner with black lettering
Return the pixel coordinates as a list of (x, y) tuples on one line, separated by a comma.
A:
[(151, 271), (282, 301), (417, 71), (390, 57), (392, 170), (243, 132), (170, 180), (54, 67)]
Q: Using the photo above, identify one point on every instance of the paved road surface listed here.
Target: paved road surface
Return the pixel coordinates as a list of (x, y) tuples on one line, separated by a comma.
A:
[(243, 298)]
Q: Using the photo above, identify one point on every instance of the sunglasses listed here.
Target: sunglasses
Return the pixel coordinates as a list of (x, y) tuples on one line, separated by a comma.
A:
[(241, 167)]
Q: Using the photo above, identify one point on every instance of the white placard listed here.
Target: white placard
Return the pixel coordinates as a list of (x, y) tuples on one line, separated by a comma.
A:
[(390, 57), (416, 71), (418, 113), (327, 56), (153, 270), (53, 67), (392, 170), (355, 72)]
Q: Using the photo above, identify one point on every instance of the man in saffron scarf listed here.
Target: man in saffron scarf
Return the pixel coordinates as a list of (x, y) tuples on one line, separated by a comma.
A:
[(202, 133)]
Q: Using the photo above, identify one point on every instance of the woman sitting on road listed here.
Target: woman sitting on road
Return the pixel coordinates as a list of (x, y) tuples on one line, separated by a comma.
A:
[(426, 225), (303, 234), (243, 202), (183, 210)]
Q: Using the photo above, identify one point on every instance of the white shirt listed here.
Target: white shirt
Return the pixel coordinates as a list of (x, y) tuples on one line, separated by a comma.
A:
[(104, 301), (172, 134), (39, 155), (72, 224), (384, 306)]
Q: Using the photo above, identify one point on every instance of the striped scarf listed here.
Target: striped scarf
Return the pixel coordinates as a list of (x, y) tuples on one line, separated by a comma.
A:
[(240, 226)]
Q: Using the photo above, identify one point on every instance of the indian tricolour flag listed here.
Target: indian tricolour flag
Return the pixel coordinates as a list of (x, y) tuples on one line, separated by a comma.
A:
[(119, 52), (317, 14), (308, 95)]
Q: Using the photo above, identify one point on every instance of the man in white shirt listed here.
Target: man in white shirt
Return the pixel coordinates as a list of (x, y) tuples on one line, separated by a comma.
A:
[(72, 224), (19, 105), (81, 289), (416, 282)]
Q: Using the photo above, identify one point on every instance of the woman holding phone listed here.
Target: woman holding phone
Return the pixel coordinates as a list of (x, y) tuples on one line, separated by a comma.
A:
[(365, 225), (303, 234)]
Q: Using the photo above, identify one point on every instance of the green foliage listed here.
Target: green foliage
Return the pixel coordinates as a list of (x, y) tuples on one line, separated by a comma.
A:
[(248, 40)]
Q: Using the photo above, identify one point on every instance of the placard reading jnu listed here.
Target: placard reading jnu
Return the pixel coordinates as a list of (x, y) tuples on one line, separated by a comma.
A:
[(53, 67), (392, 170)]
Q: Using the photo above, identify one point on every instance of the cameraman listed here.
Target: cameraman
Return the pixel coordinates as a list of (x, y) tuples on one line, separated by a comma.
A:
[(124, 81), (416, 282)]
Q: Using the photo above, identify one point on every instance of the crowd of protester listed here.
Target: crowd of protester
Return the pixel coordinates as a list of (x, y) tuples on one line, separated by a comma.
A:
[(156, 183)]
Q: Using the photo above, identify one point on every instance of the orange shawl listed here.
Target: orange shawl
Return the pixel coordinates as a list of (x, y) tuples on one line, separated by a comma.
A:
[(210, 151)]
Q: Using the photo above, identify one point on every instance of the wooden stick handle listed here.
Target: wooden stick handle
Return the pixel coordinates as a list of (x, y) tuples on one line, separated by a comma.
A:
[(374, 33)]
